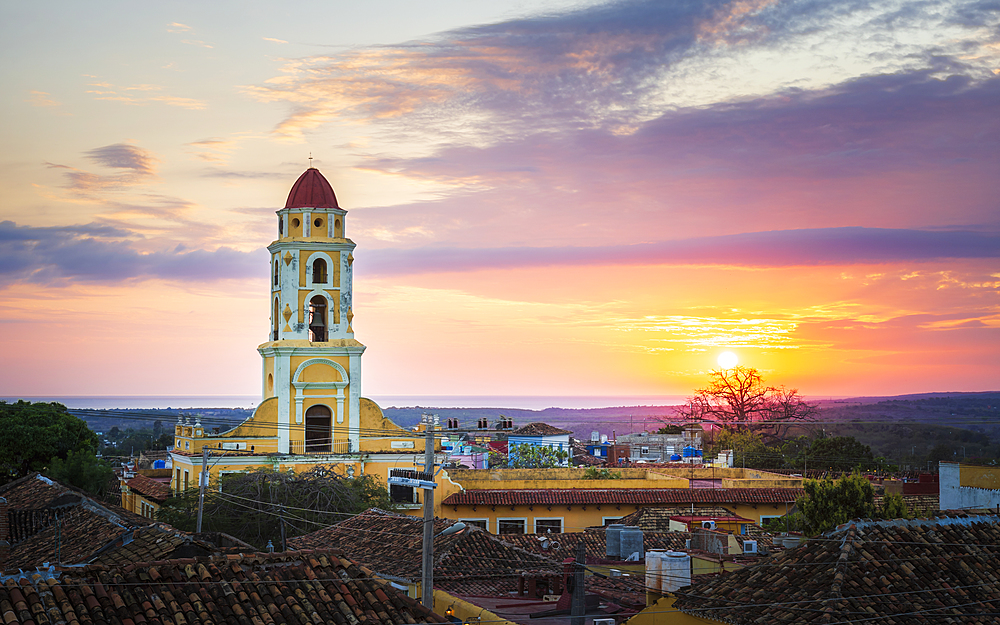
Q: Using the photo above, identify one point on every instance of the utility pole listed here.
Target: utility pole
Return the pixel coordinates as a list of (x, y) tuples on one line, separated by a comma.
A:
[(427, 577), (578, 607), (201, 487)]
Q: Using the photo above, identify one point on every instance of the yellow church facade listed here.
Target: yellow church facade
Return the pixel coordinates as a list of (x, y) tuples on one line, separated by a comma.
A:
[(311, 411)]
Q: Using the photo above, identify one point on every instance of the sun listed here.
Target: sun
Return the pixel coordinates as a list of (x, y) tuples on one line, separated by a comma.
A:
[(727, 360)]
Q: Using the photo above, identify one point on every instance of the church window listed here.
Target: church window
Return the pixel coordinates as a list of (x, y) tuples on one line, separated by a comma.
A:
[(274, 321), (277, 270), (318, 222), (319, 436), (317, 319), (295, 222), (319, 271), (281, 225), (337, 231)]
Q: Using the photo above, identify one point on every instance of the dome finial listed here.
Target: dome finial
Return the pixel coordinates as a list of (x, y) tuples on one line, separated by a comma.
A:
[(310, 160)]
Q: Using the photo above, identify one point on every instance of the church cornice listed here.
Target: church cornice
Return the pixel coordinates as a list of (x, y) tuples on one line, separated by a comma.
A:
[(316, 244), (336, 347)]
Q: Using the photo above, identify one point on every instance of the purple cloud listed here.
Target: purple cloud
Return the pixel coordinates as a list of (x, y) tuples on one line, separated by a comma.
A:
[(822, 246), (96, 253), (123, 156)]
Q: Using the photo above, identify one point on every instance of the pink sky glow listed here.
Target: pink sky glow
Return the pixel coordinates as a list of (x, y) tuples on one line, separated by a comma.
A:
[(581, 199)]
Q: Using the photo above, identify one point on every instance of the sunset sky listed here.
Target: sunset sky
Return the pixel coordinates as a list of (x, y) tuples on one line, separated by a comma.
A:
[(549, 198)]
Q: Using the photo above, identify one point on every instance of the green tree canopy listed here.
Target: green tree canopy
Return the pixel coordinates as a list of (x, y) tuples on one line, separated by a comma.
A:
[(252, 505), (837, 453), (32, 434), (829, 503)]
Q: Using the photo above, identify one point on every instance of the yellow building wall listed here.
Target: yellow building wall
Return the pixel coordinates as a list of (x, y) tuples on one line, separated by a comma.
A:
[(525, 479), (574, 518), (467, 613), (979, 477), (662, 612)]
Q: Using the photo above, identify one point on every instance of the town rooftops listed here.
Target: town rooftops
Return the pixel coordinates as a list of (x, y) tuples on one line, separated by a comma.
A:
[(149, 488), (390, 544), (85, 525), (292, 587), (311, 190), (538, 429), (903, 571), (619, 496)]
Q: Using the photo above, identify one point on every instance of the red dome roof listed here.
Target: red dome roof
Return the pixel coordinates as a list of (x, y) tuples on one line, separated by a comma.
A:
[(311, 190)]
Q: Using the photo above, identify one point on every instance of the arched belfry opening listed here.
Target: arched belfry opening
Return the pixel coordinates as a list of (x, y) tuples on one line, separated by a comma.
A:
[(319, 433), (317, 319), (275, 323), (319, 271)]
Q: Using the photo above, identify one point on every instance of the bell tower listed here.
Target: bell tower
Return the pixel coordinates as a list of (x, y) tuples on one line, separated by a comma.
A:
[(312, 364)]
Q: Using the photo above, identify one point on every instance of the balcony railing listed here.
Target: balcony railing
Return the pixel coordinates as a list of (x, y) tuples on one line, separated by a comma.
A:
[(319, 447)]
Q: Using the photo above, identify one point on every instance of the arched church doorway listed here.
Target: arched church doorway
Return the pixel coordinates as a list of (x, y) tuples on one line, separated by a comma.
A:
[(319, 434)]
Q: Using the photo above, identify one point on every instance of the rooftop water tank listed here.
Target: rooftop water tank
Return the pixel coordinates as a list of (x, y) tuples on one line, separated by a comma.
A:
[(613, 534), (675, 458), (689, 451), (675, 571), (631, 542)]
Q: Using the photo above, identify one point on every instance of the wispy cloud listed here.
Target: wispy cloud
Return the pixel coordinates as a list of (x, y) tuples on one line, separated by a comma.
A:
[(196, 42), (616, 65), (140, 95), (176, 27), (41, 98), (273, 40)]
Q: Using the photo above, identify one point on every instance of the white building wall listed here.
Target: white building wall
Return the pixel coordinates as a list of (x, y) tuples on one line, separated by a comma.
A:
[(953, 496)]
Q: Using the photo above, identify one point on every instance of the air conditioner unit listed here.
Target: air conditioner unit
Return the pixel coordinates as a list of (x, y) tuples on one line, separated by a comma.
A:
[(708, 525), (749, 546)]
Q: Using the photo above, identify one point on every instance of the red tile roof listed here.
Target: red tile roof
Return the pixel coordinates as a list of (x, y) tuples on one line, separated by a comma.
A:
[(293, 587), (149, 488), (538, 429), (311, 190), (617, 496), (391, 544), (86, 525), (918, 571)]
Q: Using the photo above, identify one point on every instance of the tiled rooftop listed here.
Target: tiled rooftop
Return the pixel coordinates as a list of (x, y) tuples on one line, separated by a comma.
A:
[(163, 542), (538, 429), (390, 544), (658, 519), (562, 546), (293, 587), (149, 488), (37, 505), (919, 571), (617, 496)]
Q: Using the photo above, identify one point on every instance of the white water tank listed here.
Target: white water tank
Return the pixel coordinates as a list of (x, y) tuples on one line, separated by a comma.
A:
[(654, 560), (675, 571)]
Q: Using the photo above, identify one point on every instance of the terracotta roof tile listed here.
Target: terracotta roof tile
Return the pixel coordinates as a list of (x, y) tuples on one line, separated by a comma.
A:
[(562, 546), (616, 496), (538, 429), (390, 544), (919, 571), (148, 487), (301, 587)]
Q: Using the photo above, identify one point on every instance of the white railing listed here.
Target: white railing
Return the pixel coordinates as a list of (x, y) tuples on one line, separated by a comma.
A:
[(316, 447)]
